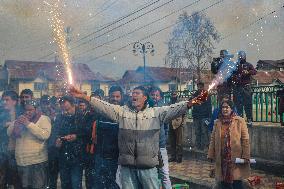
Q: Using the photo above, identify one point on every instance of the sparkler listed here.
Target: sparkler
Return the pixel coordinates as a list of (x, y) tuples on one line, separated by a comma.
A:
[(57, 25)]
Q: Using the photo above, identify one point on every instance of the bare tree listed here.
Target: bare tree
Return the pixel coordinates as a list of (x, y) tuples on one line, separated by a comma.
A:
[(192, 42)]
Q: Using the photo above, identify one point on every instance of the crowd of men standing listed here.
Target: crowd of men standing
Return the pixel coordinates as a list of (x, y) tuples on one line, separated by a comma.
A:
[(116, 142), (42, 139)]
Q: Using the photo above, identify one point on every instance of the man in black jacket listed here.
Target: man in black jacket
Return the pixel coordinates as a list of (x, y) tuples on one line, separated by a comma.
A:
[(201, 113), (70, 132), (225, 88)]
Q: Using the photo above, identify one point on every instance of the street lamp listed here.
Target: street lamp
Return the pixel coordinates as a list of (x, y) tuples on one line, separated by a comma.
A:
[(143, 48)]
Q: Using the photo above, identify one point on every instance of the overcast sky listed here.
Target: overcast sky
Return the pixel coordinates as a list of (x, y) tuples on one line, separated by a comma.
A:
[(25, 33)]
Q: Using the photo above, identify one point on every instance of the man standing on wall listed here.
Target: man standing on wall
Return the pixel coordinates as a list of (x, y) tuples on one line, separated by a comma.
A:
[(242, 86)]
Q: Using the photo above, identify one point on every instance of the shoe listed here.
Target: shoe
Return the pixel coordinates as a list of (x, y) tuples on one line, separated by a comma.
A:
[(172, 159), (179, 160)]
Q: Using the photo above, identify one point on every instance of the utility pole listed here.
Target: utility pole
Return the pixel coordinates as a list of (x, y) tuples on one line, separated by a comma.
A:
[(143, 48)]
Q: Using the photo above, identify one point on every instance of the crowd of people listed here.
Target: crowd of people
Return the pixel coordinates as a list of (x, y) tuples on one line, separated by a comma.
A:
[(113, 142), (121, 142)]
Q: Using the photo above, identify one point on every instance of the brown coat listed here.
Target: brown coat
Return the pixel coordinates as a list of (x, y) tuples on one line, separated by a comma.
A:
[(239, 145)]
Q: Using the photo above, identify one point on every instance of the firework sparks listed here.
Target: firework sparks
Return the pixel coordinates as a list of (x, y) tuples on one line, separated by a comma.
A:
[(225, 72), (59, 35)]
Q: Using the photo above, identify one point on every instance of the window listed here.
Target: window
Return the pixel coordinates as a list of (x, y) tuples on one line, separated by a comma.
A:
[(40, 86)]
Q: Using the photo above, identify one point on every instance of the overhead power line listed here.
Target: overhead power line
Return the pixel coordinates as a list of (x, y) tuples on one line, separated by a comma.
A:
[(152, 34), (137, 29), (114, 22), (119, 26), (119, 19)]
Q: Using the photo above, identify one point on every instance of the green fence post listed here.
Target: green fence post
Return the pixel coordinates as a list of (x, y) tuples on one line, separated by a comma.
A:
[(277, 109), (266, 107), (256, 106), (261, 106), (272, 107)]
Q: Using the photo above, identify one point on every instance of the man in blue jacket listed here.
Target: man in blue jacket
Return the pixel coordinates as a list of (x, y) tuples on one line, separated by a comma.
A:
[(8, 169), (106, 155)]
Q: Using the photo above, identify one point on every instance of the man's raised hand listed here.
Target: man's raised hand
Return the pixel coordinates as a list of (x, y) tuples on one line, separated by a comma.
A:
[(77, 93)]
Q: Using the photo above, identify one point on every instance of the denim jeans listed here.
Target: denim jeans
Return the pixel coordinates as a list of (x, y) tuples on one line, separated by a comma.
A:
[(118, 176), (3, 170), (105, 173), (133, 178), (164, 171), (89, 170), (53, 172), (71, 175)]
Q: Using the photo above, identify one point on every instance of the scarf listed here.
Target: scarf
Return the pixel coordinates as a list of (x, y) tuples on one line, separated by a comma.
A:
[(226, 159)]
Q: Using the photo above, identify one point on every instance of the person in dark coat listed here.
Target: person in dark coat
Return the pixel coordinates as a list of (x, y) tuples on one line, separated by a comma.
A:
[(226, 87), (106, 156), (200, 114), (89, 142), (9, 111), (241, 80), (70, 136)]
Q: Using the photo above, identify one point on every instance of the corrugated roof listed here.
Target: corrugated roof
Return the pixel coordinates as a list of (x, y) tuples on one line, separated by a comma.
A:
[(267, 77), (29, 70)]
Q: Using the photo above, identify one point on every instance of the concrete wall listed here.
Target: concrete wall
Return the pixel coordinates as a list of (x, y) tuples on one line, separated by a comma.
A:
[(267, 142)]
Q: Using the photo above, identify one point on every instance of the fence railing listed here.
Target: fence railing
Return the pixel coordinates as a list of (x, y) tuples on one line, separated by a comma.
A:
[(264, 102)]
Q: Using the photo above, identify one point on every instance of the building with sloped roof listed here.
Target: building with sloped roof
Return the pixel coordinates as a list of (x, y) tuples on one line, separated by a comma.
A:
[(167, 79), (49, 77), (270, 65), (268, 78)]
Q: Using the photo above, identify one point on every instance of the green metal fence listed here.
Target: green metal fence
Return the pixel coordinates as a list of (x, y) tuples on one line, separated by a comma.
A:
[(264, 100)]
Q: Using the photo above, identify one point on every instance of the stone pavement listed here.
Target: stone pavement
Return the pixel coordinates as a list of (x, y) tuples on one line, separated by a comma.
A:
[(197, 172)]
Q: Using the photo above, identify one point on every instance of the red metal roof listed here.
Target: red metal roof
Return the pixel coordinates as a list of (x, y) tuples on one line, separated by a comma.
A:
[(267, 77)]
